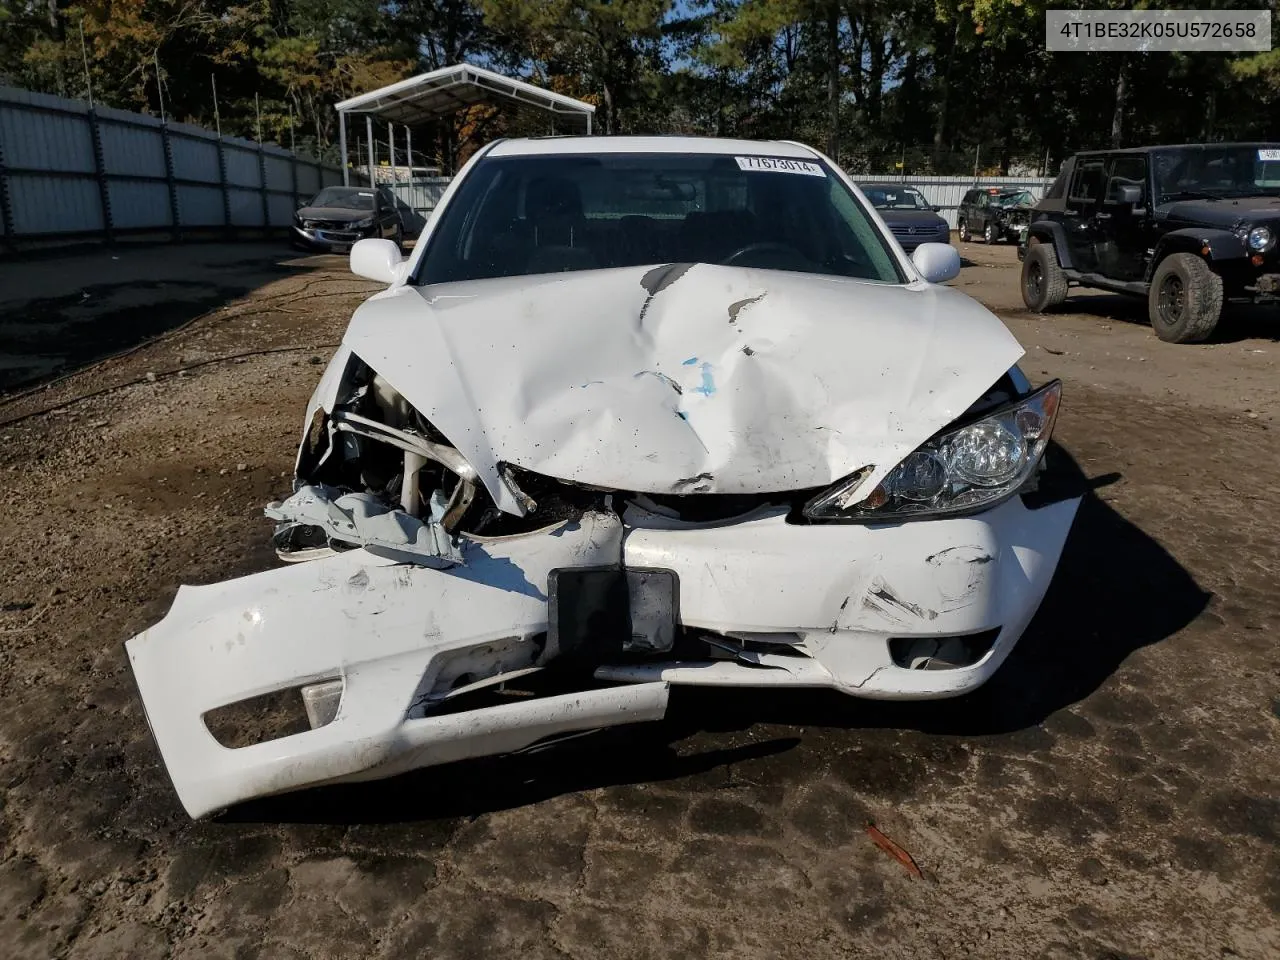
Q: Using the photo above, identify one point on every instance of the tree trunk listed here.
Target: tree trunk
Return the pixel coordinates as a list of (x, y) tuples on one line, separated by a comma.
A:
[(1122, 96), (940, 123), (833, 83), (609, 117), (58, 30)]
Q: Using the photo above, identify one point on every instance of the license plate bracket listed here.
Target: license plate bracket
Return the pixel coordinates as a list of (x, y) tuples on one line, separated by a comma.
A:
[(606, 612)]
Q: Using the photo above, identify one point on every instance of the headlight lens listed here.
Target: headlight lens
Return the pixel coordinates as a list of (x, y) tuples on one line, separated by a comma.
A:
[(366, 222), (966, 469), (1260, 239)]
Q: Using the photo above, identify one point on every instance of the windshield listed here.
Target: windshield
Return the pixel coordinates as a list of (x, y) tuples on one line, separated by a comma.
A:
[(346, 198), (896, 198), (1015, 198), (515, 216), (1228, 170)]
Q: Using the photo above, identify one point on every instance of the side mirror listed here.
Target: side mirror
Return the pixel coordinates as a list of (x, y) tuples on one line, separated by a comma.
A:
[(937, 262), (376, 259), (1128, 194), (936, 209)]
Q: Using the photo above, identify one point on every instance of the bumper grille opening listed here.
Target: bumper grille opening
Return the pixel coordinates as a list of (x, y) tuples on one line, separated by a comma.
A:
[(275, 715), (942, 653)]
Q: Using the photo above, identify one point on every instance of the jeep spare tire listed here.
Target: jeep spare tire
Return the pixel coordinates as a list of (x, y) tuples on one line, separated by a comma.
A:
[(1185, 300), (1044, 285)]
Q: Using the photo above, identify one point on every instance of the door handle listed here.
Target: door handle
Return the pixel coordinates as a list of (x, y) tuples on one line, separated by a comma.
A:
[(1102, 216)]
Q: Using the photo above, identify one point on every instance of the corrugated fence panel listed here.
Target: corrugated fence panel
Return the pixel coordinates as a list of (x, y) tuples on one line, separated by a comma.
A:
[(330, 177), (281, 208), (242, 167), (45, 141), (137, 204), (195, 159), (43, 205), (423, 194), (278, 176), (200, 206), (246, 207), (308, 180), (131, 151)]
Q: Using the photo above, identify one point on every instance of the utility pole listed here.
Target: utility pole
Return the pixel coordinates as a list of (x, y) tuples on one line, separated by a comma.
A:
[(84, 53), (155, 58), (217, 120)]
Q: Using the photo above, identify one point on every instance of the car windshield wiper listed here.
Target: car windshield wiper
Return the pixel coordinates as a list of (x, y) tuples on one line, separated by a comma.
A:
[(1192, 195)]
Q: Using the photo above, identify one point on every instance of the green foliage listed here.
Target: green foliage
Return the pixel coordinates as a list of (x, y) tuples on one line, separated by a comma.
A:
[(927, 85)]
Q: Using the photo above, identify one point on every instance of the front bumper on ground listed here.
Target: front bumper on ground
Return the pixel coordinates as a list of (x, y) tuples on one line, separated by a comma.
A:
[(395, 635)]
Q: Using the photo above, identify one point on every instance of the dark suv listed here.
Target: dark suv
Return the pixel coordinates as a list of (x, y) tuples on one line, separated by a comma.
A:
[(994, 213), (1188, 227)]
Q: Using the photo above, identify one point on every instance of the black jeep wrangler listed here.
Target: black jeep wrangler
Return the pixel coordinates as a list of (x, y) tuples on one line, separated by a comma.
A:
[(1188, 227)]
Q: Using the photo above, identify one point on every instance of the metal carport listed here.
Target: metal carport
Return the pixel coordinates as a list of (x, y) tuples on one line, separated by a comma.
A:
[(434, 95)]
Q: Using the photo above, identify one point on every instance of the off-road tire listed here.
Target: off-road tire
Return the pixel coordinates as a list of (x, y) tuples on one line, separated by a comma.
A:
[(1044, 285), (1185, 300), (962, 228), (990, 234)]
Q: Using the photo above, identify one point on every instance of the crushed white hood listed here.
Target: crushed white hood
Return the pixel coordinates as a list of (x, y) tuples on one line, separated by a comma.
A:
[(684, 378)]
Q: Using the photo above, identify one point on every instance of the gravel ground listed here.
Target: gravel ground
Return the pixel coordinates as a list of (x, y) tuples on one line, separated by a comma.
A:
[(1112, 793)]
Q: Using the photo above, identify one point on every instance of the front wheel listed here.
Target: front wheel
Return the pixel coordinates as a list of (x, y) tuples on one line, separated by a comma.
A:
[(1044, 284), (990, 234), (1185, 300), (963, 229)]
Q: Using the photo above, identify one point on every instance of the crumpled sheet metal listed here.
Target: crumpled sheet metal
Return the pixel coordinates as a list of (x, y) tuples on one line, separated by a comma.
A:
[(681, 378), (364, 520)]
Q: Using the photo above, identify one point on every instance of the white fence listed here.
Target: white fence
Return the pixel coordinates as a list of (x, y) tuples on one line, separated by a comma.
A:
[(68, 170), (947, 192)]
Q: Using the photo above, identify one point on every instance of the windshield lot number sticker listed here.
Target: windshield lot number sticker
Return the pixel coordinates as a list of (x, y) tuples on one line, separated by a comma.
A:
[(1269, 154), (780, 165)]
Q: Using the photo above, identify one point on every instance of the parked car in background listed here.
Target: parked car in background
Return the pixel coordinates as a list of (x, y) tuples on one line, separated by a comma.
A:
[(1187, 227), (994, 214), (911, 218), (336, 217)]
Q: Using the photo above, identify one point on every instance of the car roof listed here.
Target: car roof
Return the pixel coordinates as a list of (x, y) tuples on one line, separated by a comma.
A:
[(1177, 146), (887, 185), (550, 146)]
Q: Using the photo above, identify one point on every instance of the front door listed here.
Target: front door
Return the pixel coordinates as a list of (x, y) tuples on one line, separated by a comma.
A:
[(1125, 231), (1084, 202)]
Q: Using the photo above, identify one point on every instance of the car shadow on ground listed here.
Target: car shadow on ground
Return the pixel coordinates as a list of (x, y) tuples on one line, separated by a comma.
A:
[(1240, 321), (1116, 590), (54, 330)]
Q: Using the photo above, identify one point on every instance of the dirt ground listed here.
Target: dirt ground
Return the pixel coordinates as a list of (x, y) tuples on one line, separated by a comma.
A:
[(1114, 793)]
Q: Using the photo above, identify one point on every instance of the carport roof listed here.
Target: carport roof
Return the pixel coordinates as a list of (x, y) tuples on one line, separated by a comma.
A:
[(439, 93)]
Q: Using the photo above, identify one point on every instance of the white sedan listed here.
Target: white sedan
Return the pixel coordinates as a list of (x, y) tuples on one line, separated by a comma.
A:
[(636, 412)]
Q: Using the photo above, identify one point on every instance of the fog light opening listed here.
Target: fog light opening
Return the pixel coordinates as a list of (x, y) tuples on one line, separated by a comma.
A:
[(942, 653), (275, 715)]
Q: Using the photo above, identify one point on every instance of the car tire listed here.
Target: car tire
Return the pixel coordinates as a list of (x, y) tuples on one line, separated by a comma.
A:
[(962, 229), (989, 234), (1185, 300), (1044, 285)]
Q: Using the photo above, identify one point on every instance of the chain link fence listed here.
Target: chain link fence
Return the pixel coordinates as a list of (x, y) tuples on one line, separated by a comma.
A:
[(922, 160)]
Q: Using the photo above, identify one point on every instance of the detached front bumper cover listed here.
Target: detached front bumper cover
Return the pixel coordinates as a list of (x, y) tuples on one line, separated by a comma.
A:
[(779, 605)]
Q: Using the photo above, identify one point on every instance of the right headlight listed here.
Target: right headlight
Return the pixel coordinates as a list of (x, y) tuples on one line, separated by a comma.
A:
[(965, 469)]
